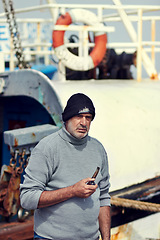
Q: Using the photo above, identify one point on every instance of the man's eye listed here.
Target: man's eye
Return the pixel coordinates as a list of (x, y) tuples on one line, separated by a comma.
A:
[(88, 118)]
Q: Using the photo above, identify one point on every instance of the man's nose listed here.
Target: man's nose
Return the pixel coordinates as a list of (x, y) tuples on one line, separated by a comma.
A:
[(83, 121)]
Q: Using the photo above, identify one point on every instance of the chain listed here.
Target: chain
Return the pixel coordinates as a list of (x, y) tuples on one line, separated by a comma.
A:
[(22, 161), (13, 160), (13, 27), (21, 158)]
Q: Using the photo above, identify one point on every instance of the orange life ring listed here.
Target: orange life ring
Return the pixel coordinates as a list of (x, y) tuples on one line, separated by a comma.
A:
[(70, 60)]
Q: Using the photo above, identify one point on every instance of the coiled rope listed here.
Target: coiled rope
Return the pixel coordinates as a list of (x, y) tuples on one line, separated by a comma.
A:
[(140, 205)]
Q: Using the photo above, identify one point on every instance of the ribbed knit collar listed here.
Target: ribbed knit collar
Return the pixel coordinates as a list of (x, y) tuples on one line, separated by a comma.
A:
[(69, 138)]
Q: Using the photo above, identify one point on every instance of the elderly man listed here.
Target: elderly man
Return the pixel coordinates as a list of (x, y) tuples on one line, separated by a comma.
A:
[(56, 183)]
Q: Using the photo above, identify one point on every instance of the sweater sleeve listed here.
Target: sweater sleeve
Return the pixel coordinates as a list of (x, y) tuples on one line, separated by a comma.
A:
[(104, 183), (35, 179)]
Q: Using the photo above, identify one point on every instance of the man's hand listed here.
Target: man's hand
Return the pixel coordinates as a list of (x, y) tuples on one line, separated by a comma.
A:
[(79, 189), (82, 190)]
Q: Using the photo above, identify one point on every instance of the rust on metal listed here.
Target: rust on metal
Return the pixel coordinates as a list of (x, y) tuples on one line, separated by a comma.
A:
[(15, 142), (11, 200), (154, 76), (17, 230), (9, 191), (122, 232), (33, 134)]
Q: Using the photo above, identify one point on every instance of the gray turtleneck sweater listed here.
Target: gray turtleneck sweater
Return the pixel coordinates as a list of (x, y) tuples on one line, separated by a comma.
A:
[(59, 161)]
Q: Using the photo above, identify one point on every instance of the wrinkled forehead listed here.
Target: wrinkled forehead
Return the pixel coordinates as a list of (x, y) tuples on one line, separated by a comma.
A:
[(82, 115)]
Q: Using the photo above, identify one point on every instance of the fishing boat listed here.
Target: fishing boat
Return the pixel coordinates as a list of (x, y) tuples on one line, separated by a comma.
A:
[(127, 110)]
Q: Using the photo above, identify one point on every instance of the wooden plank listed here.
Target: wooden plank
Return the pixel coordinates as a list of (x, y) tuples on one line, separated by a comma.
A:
[(17, 230)]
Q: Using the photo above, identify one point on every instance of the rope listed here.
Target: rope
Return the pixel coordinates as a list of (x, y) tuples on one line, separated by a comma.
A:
[(146, 206)]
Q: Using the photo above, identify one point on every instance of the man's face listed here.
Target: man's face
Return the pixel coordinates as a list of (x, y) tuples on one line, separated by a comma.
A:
[(79, 125)]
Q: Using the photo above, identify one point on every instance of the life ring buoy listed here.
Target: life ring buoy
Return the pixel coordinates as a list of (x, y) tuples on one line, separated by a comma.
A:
[(70, 60)]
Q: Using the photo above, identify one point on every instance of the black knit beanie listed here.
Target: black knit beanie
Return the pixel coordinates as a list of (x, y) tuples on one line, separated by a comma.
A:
[(76, 104)]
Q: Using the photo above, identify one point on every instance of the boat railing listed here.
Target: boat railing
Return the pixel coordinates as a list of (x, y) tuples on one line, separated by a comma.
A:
[(133, 18)]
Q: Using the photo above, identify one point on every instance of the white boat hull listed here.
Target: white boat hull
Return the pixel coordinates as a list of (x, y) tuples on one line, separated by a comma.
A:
[(127, 123), (142, 229)]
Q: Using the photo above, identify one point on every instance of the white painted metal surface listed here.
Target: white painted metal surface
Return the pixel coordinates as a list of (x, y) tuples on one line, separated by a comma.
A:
[(127, 122), (27, 138), (133, 35), (125, 15), (147, 228)]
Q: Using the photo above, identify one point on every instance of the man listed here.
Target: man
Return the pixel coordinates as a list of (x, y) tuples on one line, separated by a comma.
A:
[(55, 184)]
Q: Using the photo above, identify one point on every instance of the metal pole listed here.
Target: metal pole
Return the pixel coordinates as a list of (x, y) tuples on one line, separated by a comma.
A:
[(38, 36), (53, 11), (153, 40), (148, 65), (61, 72), (80, 48), (85, 43), (2, 68), (11, 62), (139, 52)]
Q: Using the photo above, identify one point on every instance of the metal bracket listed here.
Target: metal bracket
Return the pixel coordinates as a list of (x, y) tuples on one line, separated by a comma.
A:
[(27, 138)]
